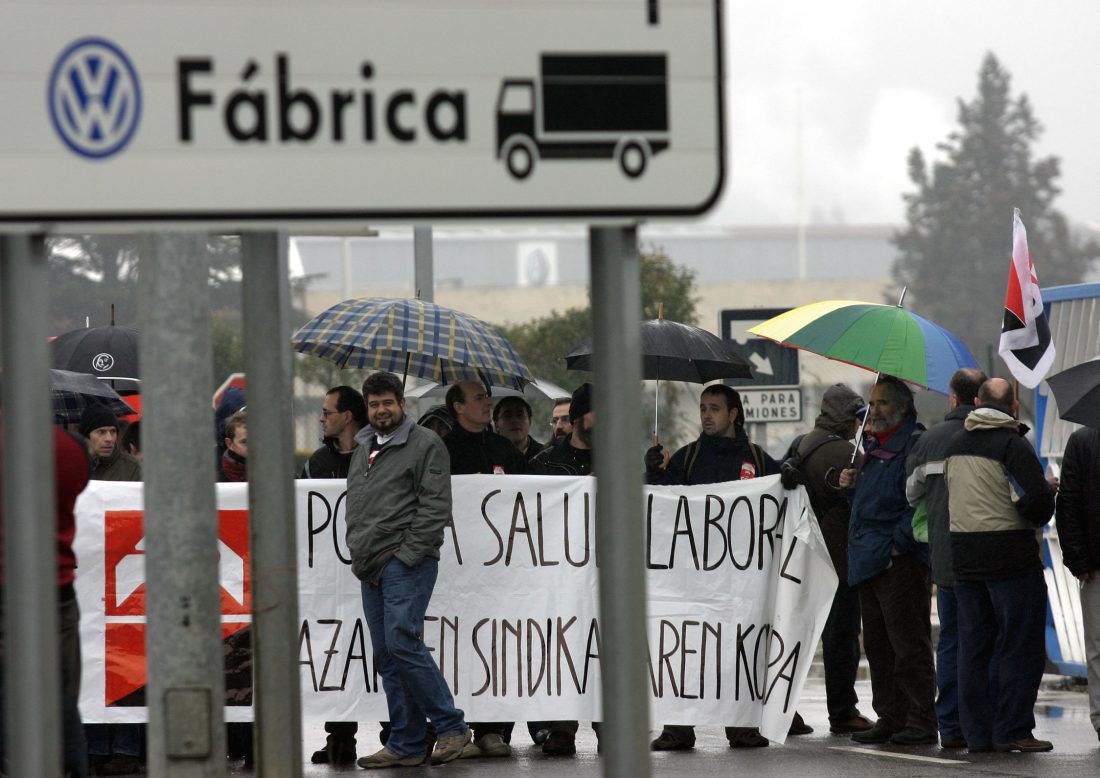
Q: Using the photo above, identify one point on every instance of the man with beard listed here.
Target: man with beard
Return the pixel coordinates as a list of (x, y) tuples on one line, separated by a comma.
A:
[(394, 533), (343, 414), (890, 568), (559, 421), (475, 448), (722, 452)]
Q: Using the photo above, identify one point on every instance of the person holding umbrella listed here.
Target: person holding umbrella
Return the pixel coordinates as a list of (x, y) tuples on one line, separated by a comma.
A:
[(891, 570), (723, 452)]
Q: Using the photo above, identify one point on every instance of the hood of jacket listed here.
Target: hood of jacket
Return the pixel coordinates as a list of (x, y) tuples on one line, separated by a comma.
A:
[(839, 405), (990, 419)]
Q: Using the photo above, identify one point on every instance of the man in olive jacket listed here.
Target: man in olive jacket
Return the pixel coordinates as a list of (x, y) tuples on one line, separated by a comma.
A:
[(399, 500)]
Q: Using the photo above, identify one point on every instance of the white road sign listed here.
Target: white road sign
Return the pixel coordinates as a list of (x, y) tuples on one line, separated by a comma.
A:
[(253, 111), (775, 404)]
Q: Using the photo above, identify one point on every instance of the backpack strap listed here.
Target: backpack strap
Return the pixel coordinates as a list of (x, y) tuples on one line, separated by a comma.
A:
[(758, 457), (690, 456)]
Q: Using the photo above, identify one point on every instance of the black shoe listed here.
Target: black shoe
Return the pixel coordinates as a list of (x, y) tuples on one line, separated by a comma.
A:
[(560, 744), (856, 723), (668, 741), (799, 726), (747, 737), (956, 741), (911, 736), (338, 751), (880, 733)]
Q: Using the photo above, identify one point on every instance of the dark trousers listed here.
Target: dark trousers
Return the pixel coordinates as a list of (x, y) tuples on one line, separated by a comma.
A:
[(1001, 630), (947, 665), (897, 637), (840, 654)]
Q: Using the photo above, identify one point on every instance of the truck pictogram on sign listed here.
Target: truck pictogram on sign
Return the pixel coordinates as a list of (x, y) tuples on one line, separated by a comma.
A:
[(585, 106)]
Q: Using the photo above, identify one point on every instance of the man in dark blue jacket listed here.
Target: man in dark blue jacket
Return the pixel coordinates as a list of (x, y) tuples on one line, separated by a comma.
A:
[(890, 568)]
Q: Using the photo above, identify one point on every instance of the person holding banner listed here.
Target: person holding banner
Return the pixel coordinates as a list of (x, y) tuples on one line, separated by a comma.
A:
[(723, 452), (343, 414), (398, 503)]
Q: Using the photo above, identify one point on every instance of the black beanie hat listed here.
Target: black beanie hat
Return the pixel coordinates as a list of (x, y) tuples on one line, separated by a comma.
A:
[(581, 401), (95, 416)]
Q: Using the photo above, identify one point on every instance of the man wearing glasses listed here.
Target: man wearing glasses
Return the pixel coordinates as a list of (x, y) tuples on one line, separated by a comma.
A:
[(559, 421)]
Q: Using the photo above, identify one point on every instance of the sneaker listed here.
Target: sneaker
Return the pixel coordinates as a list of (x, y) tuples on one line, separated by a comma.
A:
[(1027, 744), (955, 741), (799, 726), (857, 723), (669, 741), (911, 736), (337, 751), (560, 744), (747, 737), (879, 733), (450, 748), (385, 758)]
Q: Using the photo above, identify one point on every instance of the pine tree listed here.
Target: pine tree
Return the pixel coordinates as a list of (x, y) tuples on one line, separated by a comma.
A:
[(955, 251)]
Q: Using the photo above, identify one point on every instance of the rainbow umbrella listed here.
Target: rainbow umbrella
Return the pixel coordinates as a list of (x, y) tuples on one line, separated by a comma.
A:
[(883, 338)]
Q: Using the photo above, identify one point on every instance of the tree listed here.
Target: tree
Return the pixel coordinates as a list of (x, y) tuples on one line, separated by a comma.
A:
[(954, 252)]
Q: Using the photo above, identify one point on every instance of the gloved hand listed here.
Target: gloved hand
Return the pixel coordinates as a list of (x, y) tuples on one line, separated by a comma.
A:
[(789, 476), (654, 459)]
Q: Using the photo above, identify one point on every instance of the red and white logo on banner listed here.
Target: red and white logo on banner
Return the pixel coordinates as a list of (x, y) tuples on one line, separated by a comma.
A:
[(124, 595)]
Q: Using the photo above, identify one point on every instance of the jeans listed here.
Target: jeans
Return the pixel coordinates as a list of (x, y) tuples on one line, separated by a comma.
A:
[(415, 687), (897, 639), (1001, 631), (947, 665)]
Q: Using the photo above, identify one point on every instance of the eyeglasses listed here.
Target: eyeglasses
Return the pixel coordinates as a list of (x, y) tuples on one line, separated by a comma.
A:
[(326, 413), (558, 419)]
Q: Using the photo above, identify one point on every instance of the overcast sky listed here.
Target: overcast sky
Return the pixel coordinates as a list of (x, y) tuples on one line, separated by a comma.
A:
[(877, 78)]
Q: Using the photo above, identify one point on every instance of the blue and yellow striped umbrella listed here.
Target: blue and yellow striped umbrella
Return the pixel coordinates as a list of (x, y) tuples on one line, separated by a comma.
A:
[(412, 337)]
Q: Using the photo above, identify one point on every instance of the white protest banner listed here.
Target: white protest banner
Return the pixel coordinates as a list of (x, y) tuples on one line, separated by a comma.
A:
[(739, 586)]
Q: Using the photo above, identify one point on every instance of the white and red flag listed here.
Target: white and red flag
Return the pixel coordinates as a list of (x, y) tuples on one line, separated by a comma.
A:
[(1026, 345)]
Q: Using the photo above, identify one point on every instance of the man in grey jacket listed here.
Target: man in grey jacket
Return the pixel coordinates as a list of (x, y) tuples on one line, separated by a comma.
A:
[(399, 500)]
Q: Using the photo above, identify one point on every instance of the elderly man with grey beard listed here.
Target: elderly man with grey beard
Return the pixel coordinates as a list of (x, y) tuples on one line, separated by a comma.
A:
[(891, 570)]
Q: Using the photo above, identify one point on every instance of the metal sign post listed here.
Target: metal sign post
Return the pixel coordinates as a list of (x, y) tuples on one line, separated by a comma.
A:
[(616, 311), (277, 700), (30, 629), (332, 112), (186, 677)]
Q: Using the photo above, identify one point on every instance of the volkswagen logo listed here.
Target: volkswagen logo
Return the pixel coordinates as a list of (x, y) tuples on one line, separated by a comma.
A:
[(101, 363), (94, 98)]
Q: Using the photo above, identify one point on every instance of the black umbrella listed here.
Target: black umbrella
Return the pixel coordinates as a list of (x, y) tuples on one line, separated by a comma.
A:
[(675, 352), (1077, 392), (105, 352)]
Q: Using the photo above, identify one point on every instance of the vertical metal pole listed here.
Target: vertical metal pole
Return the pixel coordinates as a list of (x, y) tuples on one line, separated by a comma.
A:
[(276, 701), (186, 689), (423, 264), (616, 314), (31, 658)]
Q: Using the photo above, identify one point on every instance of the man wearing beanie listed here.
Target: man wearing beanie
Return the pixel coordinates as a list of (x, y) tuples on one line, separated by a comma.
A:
[(113, 749), (99, 426)]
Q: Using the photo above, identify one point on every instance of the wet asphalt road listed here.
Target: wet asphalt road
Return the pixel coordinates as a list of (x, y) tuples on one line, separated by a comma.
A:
[(1061, 715)]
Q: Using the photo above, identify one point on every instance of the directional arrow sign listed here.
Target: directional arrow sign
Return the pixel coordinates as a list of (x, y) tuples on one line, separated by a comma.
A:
[(773, 365)]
